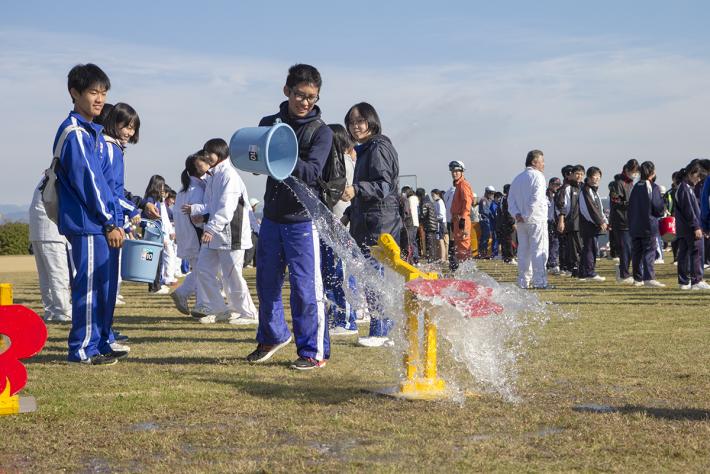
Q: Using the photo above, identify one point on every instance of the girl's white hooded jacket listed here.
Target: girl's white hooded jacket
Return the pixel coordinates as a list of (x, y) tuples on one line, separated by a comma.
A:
[(188, 244)]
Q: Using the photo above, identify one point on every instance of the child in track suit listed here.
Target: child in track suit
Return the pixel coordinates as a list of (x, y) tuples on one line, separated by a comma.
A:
[(592, 223), (88, 216), (689, 232), (288, 236), (645, 207), (568, 209), (226, 234)]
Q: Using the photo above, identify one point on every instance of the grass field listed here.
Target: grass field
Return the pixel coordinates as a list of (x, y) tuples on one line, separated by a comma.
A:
[(623, 384)]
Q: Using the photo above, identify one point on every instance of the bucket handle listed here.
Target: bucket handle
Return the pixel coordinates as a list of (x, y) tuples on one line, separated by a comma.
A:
[(156, 224)]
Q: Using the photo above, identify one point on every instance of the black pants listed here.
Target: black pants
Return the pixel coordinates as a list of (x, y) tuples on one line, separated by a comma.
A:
[(643, 255), (574, 250), (690, 263), (553, 255), (588, 258), (453, 261)]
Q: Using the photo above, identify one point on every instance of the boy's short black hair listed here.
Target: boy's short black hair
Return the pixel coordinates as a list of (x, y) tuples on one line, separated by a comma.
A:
[(498, 195), (567, 170), (405, 189), (577, 168), (300, 73), (369, 113), (647, 169), (217, 146), (506, 188), (120, 116), (592, 170), (83, 76)]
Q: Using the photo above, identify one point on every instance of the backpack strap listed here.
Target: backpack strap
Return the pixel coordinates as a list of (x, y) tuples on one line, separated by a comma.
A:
[(310, 130)]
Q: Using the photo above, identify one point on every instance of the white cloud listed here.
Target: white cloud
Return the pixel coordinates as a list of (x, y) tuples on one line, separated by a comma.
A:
[(593, 108)]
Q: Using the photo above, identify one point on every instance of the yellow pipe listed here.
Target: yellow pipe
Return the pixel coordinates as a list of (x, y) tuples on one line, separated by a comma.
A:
[(5, 294)]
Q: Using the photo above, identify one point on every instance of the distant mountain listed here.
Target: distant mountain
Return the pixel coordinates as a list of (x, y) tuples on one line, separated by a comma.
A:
[(14, 213)]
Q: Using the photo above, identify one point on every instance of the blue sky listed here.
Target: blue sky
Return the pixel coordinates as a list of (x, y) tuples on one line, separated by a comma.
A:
[(587, 82)]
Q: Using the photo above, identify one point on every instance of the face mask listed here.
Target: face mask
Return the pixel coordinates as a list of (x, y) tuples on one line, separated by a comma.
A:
[(636, 177)]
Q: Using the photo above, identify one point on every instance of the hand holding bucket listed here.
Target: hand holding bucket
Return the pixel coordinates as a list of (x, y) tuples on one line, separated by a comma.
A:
[(139, 258), (265, 150)]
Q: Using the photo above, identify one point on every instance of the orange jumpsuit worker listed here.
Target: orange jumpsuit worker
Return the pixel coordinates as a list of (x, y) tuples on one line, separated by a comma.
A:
[(461, 211)]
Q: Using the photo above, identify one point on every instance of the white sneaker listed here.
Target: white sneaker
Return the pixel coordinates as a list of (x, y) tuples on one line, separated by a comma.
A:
[(219, 317), (597, 278), (685, 287), (701, 285), (60, 318), (654, 284), (625, 281), (341, 331), (164, 290), (658, 260), (637, 283), (513, 261), (241, 320), (209, 319), (120, 301), (616, 259), (180, 302), (554, 270), (119, 347), (375, 341)]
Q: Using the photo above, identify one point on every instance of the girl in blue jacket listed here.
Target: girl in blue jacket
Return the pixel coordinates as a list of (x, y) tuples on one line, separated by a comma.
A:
[(689, 234)]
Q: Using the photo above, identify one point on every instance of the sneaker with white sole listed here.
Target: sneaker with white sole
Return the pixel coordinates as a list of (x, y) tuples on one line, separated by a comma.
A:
[(219, 317), (597, 278), (341, 331), (242, 320), (307, 363), (638, 283), (701, 285), (118, 347), (164, 290), (200, 311), (180, 302), (375, 341), (654, 284), (58, 318), (685, 287), (120, 301), (625, 281), (264, 352)]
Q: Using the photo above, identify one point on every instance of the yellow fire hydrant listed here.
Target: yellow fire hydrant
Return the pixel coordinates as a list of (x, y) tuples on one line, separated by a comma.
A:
[(421, 381)]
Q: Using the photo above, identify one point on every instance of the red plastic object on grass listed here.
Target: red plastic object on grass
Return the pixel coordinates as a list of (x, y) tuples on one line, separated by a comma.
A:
[(472, 299), (27, 334)]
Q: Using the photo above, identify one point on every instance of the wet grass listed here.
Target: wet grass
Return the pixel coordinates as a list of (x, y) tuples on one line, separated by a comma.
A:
[(619, 384)]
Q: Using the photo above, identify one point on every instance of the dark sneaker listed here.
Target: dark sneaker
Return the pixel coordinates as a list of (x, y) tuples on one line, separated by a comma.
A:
[(117, 354), (119, 337), (99, 359), (307, 363), (264, 352)]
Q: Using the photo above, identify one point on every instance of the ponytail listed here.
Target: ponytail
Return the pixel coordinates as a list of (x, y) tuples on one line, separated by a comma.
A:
[(185, 180)]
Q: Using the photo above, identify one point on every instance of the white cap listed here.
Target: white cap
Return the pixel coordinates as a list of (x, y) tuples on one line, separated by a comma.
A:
[(490, 189), (253, 202)]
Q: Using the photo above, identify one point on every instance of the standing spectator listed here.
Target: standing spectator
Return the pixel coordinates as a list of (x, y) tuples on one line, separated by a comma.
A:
[(553, 259), (429, 222), (411, 223), (569, 219), (50, 250), (506, 229), (689, 231), (495, 213), (254, 223), (645, 207), (461, 211), (485, 222), (592, 223), (375, 205), (527, 201), (442, 233), (561, 203), (619, 194)]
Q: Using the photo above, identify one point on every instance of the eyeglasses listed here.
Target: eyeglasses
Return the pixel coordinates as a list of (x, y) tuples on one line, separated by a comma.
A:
[(357, 121), (300, 97)]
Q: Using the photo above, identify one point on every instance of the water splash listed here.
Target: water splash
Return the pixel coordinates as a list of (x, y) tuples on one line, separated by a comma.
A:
[(486, 351)]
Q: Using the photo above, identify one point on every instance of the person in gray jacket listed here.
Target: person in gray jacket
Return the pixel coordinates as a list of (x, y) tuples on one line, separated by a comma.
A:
[(50, 250)]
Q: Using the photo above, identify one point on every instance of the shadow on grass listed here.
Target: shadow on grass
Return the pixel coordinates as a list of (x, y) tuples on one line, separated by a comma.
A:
[(686, 414)]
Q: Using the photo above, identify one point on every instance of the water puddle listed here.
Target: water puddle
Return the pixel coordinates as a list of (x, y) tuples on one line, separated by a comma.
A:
[(594, 408)]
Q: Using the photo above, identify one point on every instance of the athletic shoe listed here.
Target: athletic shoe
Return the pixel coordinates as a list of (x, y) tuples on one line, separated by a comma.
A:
[(117, 354), (685, 287), (120, 301), (98, 359), (375, 341), (658, 261), (625, 281), (513, 261), (120, 347), (554, 270), (307, 363), (200, 311), (654, 284), (60, 318), (180, 302), (637, 283), (264, 352), (118, 337), (241, 320), (583, 279), (544, 287), (597, 278), (341, 331), (219, 317), (701, 285), (164, 290), (616, 259)]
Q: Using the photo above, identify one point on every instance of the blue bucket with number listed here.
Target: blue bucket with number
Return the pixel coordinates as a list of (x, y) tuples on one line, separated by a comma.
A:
[(265, 150), (140, 258)]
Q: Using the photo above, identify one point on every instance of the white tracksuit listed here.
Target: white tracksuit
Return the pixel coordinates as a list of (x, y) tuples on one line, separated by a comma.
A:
[(50, 251), (527, 197), (227, 203), (188, 244)]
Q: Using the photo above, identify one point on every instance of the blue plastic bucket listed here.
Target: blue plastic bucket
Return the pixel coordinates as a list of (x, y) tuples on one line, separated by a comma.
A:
[(265, 150), (140, 258)]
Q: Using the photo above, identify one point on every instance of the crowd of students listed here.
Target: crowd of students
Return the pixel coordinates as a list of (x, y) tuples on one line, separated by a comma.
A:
[(211, 232)]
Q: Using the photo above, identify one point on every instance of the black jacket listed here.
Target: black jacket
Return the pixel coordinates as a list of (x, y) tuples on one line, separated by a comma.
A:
[(280, 203), (619, 194), (375, 208), (686, 211), (644, 209), (427, 216)]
